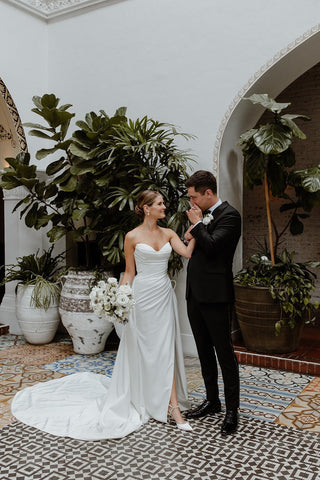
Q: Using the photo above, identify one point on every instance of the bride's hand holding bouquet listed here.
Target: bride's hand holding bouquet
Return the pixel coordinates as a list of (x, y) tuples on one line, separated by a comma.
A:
[(112, 301)]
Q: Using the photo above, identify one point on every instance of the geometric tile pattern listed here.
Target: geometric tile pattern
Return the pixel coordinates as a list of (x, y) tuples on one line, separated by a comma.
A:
[(37, 355), (264, 393), (10, 340), (304, 411), (258, 451), (99, 363), (15, 376)]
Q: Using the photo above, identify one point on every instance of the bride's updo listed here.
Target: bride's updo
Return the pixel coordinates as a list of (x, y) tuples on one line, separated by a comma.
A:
[(145, 198)]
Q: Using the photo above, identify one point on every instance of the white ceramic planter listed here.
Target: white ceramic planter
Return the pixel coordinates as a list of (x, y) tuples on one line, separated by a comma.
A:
[(38, 325), (87, 331)]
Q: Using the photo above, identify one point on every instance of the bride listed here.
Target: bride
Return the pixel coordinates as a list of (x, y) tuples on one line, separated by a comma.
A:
[(148, 379)]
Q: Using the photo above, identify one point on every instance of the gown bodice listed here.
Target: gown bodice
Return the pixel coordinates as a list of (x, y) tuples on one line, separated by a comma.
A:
[(151, 262)]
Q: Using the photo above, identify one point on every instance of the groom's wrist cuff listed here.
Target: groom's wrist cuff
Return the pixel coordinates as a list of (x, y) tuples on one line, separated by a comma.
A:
[(199, 221)]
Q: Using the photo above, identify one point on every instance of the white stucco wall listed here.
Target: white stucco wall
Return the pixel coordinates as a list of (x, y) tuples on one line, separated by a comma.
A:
[(179, 61), (23, 58)]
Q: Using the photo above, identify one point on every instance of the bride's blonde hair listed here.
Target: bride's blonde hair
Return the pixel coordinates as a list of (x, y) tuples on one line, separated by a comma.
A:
[(147, 197)]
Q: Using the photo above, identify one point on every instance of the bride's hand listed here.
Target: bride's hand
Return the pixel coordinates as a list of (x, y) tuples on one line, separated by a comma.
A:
[(188, 236)]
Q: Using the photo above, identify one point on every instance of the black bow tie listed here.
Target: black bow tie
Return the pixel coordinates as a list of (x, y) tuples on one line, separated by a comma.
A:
[(206, 212)]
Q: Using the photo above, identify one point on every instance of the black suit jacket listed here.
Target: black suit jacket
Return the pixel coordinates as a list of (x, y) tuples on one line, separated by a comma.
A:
[(209, 273)]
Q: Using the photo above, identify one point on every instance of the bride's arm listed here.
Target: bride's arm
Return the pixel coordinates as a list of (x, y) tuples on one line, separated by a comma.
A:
[(179, 247), (130, 269)]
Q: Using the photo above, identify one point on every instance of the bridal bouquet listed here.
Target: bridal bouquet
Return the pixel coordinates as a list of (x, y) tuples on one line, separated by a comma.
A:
[(110, 301)]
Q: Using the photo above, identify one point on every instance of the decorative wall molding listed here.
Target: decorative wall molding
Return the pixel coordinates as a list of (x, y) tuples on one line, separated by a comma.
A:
[(4, 134), (4, 92), (277, 57), (48, 9)]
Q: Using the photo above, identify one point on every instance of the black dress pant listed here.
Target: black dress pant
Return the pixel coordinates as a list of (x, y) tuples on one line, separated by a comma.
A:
[(211, 327)]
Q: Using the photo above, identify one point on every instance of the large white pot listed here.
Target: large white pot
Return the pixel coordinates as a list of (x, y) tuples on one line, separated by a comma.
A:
[(87, 331), (38, 325)]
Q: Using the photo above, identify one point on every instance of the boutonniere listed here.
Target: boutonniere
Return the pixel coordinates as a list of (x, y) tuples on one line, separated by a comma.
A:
[(207, 219)]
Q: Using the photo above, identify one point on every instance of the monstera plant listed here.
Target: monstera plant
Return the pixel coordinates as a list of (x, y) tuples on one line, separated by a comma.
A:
[(269, 160), (95, 175), (273, 293)]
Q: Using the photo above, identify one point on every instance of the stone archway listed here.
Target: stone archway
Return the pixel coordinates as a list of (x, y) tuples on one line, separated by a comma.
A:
[(12, 136), (273, 77), (12, 141)]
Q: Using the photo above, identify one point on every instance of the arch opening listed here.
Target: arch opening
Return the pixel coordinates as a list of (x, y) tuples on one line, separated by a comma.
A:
[(276, 78)]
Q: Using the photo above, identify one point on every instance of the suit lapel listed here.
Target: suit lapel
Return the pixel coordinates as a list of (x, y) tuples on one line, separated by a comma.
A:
[(217, 212)]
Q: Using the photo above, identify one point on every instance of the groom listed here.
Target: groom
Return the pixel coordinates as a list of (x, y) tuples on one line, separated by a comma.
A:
[(216, 226)]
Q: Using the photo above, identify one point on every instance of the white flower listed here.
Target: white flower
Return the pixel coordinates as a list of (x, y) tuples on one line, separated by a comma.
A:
[(122, 300), (110, 301), (126, 289), (264, 259), (207, 219)]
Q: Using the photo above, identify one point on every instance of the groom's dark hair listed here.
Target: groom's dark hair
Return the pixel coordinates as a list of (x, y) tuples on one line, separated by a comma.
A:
[(202, 180)]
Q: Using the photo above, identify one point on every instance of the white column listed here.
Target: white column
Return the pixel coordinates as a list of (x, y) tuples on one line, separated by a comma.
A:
[(19, 240)]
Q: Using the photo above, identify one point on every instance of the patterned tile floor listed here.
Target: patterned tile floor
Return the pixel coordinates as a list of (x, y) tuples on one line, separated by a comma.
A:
[(263, 448)]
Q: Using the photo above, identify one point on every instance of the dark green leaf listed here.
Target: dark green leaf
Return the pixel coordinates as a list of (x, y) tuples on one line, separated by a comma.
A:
[(296, 226), (273, 138), (55, 166), (31, 217), (288, 121), (267, 102)]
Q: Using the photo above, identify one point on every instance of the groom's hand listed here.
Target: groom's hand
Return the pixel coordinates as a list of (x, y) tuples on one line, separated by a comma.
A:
[(194, 214)]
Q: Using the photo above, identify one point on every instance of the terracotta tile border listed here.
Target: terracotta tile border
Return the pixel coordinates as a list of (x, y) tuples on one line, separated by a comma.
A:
[(279, 363)]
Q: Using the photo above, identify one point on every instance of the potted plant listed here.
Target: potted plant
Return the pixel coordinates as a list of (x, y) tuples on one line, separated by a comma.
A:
[(286, 286), (282, 302), (90, 191), (37, 294)]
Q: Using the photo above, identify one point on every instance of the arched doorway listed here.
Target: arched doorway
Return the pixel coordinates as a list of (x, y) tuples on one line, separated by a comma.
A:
[(273, 78), (12, 141)]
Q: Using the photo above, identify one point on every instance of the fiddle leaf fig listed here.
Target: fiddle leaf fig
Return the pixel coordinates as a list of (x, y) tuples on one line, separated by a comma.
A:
[(273, 139), (268, 154), (309, 179), (267, 102), (92, 188), (288, 121)]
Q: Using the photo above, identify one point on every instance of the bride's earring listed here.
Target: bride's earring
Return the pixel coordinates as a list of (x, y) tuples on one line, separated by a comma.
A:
[(148, 213)]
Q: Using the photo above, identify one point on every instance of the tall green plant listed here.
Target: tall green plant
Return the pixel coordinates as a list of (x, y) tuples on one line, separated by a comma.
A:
[(92, 188), (268, 156)]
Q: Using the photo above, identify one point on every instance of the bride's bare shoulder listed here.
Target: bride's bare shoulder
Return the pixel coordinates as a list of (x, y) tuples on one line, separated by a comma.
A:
[(169, 233), (132, 236)]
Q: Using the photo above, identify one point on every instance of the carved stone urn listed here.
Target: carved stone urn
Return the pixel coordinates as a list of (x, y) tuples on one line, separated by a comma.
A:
[(87, 331)]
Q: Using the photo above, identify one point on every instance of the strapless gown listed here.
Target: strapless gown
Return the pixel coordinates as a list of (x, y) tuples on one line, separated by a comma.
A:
[(91, 406)]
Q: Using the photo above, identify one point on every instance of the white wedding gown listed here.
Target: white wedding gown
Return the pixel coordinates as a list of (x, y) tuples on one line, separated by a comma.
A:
[(91, 406)]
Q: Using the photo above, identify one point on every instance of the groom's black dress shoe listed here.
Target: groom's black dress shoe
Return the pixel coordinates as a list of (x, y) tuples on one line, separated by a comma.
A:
[(206, 408), (230, 423)]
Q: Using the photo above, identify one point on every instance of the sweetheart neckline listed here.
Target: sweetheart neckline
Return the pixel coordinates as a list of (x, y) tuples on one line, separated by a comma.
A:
[(142, 243)]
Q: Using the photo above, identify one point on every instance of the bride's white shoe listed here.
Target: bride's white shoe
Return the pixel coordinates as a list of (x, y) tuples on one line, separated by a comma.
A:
[(182, 426)]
